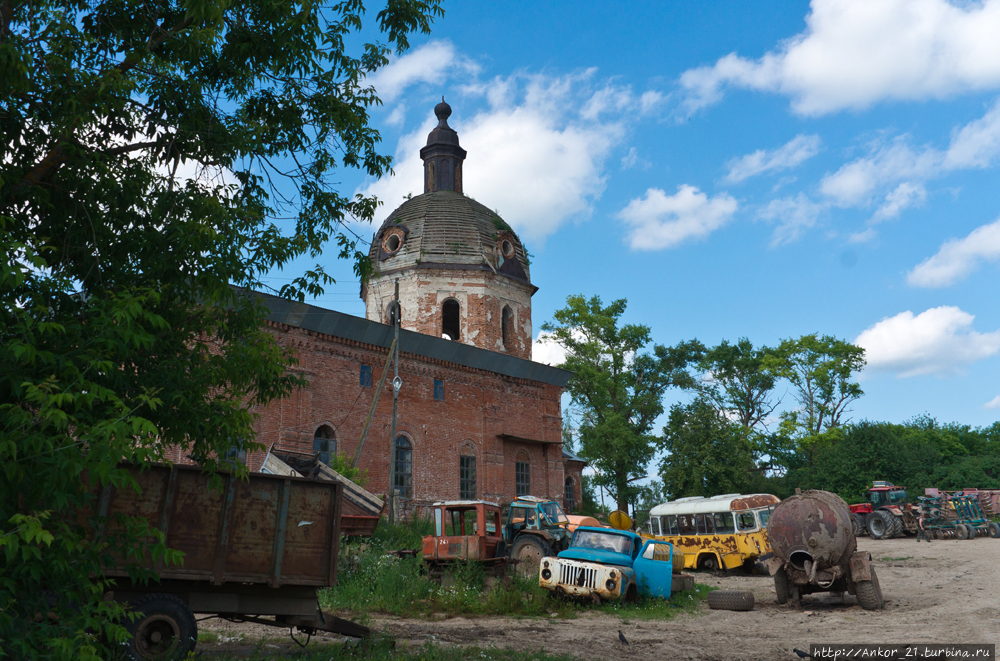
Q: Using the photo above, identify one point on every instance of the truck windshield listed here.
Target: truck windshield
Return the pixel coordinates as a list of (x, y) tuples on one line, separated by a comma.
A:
[(553, 513), (589, 539)]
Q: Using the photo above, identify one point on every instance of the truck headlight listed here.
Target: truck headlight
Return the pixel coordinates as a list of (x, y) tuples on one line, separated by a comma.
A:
[(546, 574), (610, 585)]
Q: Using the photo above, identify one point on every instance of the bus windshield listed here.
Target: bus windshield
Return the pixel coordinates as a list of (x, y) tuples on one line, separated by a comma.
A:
[(553, 512)]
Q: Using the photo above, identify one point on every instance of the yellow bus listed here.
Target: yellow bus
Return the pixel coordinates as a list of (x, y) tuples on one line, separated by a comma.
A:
[(721, 532)]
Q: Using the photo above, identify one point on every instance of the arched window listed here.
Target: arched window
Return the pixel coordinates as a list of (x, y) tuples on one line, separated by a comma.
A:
[(506, 324), (570, 495), (450, 319), (390, 312), (404, 467), (324, 443)]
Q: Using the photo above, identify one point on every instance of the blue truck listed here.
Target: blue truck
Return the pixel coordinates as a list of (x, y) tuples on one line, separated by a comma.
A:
[(604, 564)]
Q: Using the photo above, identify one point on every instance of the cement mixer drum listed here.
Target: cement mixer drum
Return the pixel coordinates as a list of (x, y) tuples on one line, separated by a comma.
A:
[(813, 526)]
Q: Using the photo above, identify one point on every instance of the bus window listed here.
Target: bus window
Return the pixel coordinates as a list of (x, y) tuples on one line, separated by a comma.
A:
[(724, 523), (654, 525), (671, 525), (705, 524), (685, 522), (745, 521), (764, 516)]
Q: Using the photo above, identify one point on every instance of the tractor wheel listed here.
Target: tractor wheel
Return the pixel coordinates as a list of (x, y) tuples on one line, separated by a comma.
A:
[(529, 551), (961, 532), (897, 525), (165, 630), (859, 524), (994, 529), (869, 593), (730, 600), (879, 525), (781, 592)]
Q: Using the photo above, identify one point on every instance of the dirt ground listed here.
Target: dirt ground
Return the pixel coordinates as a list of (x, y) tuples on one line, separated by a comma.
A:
[(942, 592)]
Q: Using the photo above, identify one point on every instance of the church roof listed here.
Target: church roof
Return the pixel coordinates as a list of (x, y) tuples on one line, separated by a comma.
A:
[(445, 229), (338, 324)]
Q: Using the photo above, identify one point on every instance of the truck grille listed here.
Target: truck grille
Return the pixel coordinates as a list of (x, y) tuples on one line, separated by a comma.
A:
[(582, 577)]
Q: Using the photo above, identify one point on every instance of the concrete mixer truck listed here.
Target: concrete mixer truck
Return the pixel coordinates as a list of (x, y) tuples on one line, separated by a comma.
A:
[(812, 537)]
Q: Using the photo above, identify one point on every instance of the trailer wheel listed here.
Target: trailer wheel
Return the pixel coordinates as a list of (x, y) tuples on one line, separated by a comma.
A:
[(994, 529), (972, 531), (961, 532), (163, 630), (781, 592), (529, 550), (869, 592), (730, 600)]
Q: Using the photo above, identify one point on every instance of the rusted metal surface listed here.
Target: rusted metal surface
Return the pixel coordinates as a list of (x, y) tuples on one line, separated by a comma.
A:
[(754, 501), (861, 566), (272, 530), (473, 539), (586, 579), (813, 527)]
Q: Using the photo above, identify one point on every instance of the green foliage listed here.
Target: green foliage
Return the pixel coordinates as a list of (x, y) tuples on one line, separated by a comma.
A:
[(386, 649), (706, 454), (618, 387), (591, 505), (125, 327), (345, 466), (741, 382)]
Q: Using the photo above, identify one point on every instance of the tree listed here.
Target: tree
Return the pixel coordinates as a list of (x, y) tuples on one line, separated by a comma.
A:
[(618, 388), (151, 149), (820, 371), (739, 382), (706, 454)]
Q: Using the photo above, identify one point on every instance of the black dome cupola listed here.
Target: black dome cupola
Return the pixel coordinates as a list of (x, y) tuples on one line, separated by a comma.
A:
[(442, 156)]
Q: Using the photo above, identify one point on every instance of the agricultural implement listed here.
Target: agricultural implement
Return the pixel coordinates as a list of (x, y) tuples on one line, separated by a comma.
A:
[(956, 516)]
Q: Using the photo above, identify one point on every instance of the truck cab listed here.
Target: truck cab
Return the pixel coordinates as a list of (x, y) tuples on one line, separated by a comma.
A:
[(607, 564)]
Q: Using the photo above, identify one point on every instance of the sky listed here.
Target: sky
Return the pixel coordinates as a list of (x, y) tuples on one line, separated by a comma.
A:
[(762, 170)]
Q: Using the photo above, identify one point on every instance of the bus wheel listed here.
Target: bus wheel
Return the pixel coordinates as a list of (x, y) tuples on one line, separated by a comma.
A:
[(708, 562)]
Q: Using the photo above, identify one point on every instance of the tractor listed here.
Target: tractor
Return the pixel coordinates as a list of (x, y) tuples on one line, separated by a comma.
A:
[(888, 513), (534, 528)]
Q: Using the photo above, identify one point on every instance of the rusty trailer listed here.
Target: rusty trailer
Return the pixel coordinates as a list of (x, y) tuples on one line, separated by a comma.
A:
[(255, 550)]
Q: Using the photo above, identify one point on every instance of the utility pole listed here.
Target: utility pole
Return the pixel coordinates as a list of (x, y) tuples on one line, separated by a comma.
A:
[(396, 385)]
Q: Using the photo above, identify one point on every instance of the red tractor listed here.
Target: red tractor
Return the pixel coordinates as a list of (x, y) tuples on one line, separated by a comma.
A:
[(888, 514)]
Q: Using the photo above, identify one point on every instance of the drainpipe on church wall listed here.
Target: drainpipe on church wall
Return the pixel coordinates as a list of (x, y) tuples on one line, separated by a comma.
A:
[(396, 384)]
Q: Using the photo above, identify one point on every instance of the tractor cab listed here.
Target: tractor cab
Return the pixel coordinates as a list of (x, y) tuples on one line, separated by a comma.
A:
[(884, 494), (534, 528)]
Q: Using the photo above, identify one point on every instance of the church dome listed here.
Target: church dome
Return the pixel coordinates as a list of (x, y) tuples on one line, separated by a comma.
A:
[(444, 229)]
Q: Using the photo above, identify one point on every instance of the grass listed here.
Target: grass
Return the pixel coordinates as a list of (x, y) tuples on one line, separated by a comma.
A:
[(371, 581), (900, 559), (383, 650)]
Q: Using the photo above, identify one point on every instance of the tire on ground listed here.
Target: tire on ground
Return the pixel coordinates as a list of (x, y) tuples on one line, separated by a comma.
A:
[(879, 524), (166, 629), (972, 531), (961, 532), (869, 593), (859, 524), (897, 525), (708, 562), (529, 551), (781, 591), (730, 600), (994, 529)]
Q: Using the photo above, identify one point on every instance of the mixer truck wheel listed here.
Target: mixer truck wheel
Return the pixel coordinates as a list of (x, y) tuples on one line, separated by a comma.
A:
[(730, 600), (994, 529), (869, 592), (781, 586), (165, 629)]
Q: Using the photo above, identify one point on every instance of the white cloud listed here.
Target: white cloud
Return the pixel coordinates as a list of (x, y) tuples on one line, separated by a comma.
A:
[(904, 196), (794, 215), (855, 182), (430, 63), (546, 350), (799, 149), (939, 341), (854, 53), (532, 156), (993, 403), (659, 220), (957, 258), (976, 144)]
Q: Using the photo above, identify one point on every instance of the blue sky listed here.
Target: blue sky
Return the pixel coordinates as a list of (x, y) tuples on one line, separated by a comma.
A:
[(736, 169)]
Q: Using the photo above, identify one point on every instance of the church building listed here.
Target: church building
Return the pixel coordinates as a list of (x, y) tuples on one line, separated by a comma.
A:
[(476, 419)]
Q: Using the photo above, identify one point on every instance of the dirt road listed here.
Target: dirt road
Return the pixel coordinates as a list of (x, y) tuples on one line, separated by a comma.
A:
[(942, 592)]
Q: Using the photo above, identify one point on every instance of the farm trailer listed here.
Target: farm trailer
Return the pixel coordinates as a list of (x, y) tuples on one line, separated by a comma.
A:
[(255, 550)]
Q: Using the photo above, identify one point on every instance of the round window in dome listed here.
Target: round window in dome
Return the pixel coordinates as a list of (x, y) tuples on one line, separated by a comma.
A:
[(507, 249), (392, 241)]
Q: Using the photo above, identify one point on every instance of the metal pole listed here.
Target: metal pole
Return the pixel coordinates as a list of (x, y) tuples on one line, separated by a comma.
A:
[(397, 313)]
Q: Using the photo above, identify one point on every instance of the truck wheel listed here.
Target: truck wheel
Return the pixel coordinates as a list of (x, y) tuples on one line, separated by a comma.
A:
[(869, 592), (529, 551), (631, 595), (994, 529), (781, 592), (961, 532), (164, 629), (730, 600)]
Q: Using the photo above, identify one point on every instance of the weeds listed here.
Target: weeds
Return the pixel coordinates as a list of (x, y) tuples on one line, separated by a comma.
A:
[(383, 650)]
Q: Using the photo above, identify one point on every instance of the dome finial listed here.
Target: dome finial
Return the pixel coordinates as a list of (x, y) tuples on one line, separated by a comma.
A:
[(443, 112)]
